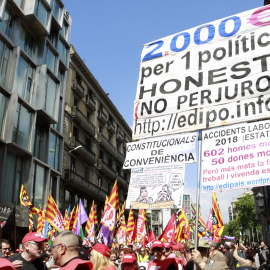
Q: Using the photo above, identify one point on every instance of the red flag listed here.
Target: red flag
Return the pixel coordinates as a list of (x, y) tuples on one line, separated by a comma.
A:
[(209, 222), (168, 234), (141, 226)]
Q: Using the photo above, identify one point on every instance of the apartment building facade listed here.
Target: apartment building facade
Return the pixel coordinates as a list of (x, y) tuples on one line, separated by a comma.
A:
[(34, 59), (95, 137)]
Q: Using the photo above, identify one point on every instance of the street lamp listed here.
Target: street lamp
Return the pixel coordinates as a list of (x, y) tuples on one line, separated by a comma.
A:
[(76, 148)]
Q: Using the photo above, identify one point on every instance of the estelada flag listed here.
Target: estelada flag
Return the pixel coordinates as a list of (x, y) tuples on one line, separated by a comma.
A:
[(109, 215), (217, 221), (168, 235)]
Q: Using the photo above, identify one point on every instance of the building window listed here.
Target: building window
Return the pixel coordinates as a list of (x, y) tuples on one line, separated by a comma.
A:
[(39, 143), (110, 138), (41, 12), (38, 185), (155, 216), (110, 163), (57, 126), (75, 102), (56, 11), (54, 151), (4, 60), (2, 110), (53, 187), (101, 155), (73, 164), (76, 133), (87, 173), (49, 59), (67, 196), (64, 31), (22, 125), (11, 184), (63, 52), (53, 37), (26, 42), (100, 129), (99, 181), (24, 79), (50, 95), (88, 144), (7, 25), (85, 203), (61, 77)]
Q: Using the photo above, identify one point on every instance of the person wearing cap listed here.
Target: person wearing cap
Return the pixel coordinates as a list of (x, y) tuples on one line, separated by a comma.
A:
[(33, 246), (65, 252), (100, 257), (168, 250), (204, 261), (129, 262), (160, 260)]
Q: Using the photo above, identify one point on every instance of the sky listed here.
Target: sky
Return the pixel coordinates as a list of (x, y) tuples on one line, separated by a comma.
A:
[(109, 37)]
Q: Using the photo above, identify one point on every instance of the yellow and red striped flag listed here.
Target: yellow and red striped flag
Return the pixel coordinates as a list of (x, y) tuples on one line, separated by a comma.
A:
[(130, 224), (217, 221), (109, 215), (25, 201), (53, 215), (66, 220), (90, 224), (75, 219), (31, 223), (72, 218), (41, 221)]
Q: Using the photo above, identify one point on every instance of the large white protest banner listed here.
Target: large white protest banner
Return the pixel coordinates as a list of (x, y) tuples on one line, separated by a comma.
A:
[(236, 157), (156, 187), (211, 75), (175, 149)]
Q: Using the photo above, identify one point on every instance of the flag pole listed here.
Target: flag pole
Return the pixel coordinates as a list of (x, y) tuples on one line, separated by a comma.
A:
[(198, 190)]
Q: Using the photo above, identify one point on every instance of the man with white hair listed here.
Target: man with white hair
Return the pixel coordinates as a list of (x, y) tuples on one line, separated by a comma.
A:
[(65, 252)]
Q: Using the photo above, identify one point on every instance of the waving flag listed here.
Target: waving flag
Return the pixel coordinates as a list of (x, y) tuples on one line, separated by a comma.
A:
[(53, 215), (168, 235), (183, 227), (81, 219), (217, 221), (130, 224), (41, 221), (90, 225), (122, 233), (141, 226), (209, 222)]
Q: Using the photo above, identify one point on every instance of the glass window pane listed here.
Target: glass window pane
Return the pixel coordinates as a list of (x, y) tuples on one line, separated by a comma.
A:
[(51, 95), (39, 186), (2, 110), (56, 11), (4, 23), (9, 176), (50, 60), (4, 66), (41, 13), (52, 150), (21, 77)]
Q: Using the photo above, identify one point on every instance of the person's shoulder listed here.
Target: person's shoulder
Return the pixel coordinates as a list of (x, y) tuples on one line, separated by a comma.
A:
[(111, 267), (15, 257), (78, 264), (6, 264)]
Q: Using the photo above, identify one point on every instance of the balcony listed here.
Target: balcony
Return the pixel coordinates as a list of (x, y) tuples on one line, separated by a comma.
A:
[(74, 115), (106, 145), (90, 103), (79, 183), (79, 118), (102, 117), (120, 136), (120, 157), (105, 169), (83, 151), (110, 127), (122, 181), (77, 89)]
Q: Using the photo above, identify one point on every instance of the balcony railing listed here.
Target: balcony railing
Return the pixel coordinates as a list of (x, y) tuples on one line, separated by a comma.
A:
[(80, 118), (110, 127), (105, 169), (83, 151), (119, 136), (107, 145), (90, 103), (102, 117), (120, 157), (77, 89), (79, 182)]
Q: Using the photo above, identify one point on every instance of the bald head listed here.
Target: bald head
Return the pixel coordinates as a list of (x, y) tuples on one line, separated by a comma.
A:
[(65, 247)]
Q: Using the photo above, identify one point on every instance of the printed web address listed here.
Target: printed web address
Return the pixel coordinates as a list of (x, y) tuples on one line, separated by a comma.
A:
[(239, 184)]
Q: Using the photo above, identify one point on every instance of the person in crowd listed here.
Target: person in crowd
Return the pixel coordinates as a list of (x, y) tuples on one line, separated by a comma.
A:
[(113, 257), (203, 260), (161, 262), (100, 257), (263, 254), (5, 247), (168, 251), (45, 257), (142, 256), (20, 248), (83, 254), (129, 262), (65, 252), (250, 254), (33, 246), (229, 257)]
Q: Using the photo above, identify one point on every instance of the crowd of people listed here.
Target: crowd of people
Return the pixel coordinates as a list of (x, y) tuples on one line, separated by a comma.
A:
[(67, 253)]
